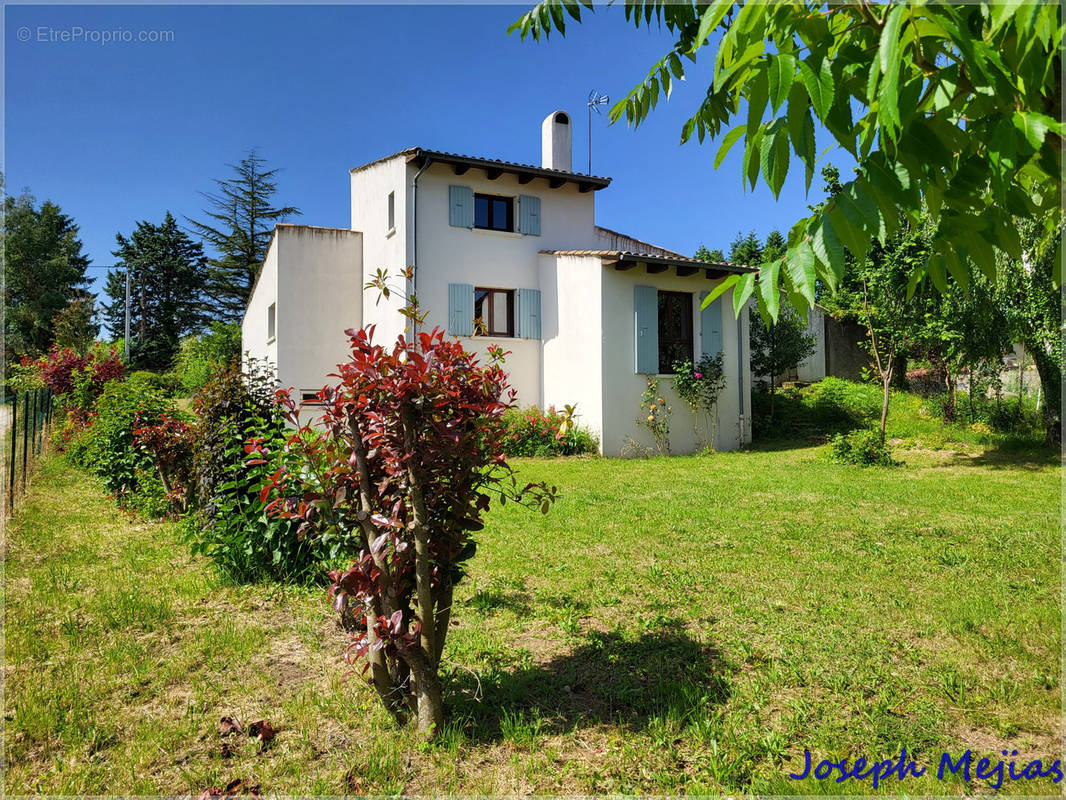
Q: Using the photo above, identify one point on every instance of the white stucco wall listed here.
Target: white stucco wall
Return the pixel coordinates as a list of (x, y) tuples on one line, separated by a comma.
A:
[(255, 342), (571, 288), (494, 259), (383, 248), (314, 277), (812, 368), (622, 386)]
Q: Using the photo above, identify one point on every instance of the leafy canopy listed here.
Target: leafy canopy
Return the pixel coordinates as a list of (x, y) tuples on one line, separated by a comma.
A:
[(951, 108)]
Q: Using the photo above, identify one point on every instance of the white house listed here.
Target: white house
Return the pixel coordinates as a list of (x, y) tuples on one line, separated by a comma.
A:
[(587, 314)]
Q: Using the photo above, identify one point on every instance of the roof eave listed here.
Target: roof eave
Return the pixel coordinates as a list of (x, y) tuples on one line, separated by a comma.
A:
[(494, 169)]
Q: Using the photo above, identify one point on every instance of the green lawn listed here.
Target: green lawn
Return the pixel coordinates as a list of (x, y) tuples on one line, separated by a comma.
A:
[(680, 625)]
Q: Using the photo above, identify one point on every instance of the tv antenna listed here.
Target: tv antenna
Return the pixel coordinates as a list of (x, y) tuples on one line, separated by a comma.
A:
[(595, 101)]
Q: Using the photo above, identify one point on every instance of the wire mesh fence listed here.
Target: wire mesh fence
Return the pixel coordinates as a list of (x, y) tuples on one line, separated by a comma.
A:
[(24, 422)]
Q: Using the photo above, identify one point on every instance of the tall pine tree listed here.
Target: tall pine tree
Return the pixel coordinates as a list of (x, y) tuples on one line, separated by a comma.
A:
[(167, 275), (746, 250), (239, 224), (44, 272)]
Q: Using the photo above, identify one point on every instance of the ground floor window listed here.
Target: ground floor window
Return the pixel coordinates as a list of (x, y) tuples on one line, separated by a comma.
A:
[(493, 312), (675, 330)]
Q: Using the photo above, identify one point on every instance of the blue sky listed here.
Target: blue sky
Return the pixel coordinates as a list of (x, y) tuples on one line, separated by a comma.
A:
[(125, 131)]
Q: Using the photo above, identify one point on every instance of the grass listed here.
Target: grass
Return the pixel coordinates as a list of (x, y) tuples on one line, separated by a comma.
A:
[(673, 625)]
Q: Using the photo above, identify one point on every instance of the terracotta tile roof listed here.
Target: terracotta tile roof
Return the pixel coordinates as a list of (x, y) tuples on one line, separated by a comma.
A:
[(625, 255), (585, 181)]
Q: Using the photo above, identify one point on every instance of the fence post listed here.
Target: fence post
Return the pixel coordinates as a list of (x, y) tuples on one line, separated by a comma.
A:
[(14, 453), (42, 413), (25, 436)]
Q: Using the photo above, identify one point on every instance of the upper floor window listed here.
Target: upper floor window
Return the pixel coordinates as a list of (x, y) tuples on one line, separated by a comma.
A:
[(493, 212), (494, 312), (392, 211), (675, 330), (271, 321)]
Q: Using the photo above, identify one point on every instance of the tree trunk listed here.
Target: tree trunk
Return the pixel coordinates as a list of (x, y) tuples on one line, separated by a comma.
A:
[(886, 385), (427, 693), (1049, 369)]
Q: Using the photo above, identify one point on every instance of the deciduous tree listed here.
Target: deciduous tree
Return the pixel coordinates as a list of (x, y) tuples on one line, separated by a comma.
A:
[(949, 109)]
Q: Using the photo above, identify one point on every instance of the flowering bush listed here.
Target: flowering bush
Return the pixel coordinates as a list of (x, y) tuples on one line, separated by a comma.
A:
[(409, 458), (699, 386), (533, 432), (655, 416)]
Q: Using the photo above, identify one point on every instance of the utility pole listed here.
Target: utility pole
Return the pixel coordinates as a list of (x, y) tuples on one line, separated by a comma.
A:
[(126, 336)]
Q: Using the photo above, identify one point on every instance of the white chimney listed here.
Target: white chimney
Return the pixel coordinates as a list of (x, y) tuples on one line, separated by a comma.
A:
[(556, 141)]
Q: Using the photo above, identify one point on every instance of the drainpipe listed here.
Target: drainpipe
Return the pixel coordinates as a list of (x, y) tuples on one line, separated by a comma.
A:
[(414, 228), (741, 372)]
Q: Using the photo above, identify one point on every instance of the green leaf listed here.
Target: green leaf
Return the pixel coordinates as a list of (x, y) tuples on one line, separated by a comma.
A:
[(710, 20), (782, 71), (724, 286), (1033, 126), (727, 143), (819, 85), (888, 51), (769, 291), (829, 250), (742, 291), (774, 156), (934, 268), (801, 270)]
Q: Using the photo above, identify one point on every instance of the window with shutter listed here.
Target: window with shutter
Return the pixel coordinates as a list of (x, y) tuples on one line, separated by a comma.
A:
[(461, 206), (460, 309), (529, 313), (710, 327), (646, 324), (529, 212)]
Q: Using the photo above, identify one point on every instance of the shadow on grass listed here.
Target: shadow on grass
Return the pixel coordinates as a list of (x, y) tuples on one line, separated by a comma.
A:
[(1012, 453), (608, 679)]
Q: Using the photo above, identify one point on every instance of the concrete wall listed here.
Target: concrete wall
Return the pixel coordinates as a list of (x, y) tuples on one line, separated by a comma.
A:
[(317, 295), (622, 387), (845, 357), (495, 259)]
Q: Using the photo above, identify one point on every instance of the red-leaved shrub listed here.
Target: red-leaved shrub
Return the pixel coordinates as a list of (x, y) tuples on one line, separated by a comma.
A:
[(168, 444), (408, 457)]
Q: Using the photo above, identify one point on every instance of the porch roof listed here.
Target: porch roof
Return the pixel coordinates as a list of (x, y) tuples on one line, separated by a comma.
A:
[(655, 263)]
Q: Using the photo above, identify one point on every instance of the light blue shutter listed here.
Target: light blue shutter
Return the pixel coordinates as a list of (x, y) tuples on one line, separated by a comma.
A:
[(529, 313), (529, 215), (460, 309), (710, 326), (646, 315), (461, 206)]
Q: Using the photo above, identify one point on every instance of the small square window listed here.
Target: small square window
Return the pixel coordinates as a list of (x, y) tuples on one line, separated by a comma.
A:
[(493, 312), (271, 322), (392, 211), (493, 213)]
